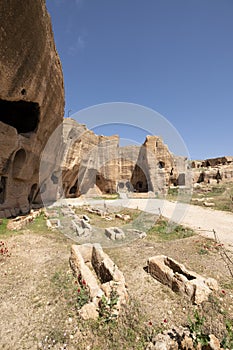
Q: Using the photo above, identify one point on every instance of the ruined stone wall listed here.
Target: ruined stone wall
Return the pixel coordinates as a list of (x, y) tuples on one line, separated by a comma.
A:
[(31, 100)]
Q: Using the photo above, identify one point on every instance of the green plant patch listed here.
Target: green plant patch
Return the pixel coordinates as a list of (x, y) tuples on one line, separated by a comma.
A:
[(166, 231), (3, 228)]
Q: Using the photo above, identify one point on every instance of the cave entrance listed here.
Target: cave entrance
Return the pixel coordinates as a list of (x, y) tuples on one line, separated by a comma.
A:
[(22, 115), (73, 189), (2, 189), (139, 180), (201, 178), (105, 186)]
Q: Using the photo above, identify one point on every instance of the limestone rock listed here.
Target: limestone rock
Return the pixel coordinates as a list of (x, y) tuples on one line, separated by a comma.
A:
[(114, 233), (92, 164), (214, 343), (179, 279), (89, 312), (31, 100), (109, 278)]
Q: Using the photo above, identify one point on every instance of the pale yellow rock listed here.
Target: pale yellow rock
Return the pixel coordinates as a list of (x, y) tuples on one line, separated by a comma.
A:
[(89, 312)]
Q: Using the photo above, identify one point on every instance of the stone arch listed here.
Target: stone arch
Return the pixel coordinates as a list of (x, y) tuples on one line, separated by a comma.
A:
[(18, 162)]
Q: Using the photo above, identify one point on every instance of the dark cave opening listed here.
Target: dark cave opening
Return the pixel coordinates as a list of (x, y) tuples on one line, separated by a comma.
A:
[(22, 115), (139, 180), (2, 189)]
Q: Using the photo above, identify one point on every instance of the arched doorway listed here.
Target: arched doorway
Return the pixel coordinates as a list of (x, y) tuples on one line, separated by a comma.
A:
[(18, 163), (139, 180)]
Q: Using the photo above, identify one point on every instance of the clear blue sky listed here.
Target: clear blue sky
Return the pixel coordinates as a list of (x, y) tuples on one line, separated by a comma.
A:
[(174, 56)]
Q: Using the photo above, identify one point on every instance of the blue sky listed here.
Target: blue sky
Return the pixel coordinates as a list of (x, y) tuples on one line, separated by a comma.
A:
[(173, 56)]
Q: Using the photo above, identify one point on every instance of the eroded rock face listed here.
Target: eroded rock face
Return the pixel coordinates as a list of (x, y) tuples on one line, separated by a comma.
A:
[(31, 100), (93, 164), (213, 171), (88, 160)]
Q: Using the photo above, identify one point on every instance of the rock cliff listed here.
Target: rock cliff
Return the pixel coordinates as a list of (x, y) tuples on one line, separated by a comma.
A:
[(31, 100), (92, 163)]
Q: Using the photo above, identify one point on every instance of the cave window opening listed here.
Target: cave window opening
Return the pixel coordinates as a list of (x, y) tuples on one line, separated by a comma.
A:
[(18, 163), (22, 115), (73, 190), (2, 189), (54, 179), (161, 165), (201, 178)]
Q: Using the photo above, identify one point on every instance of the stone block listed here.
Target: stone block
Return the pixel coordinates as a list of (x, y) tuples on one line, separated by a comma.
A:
[(175, 275), (114, 233)]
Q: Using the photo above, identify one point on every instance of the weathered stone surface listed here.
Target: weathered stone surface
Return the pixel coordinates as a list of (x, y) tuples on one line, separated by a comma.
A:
[(110, 278), (89, 312), (31, 100), (92, 164), (180, 338), (21, 221), (114, 233), (79, 267), (138, 233), (214, 343), (179, 279), (53, 224), (212, 171)]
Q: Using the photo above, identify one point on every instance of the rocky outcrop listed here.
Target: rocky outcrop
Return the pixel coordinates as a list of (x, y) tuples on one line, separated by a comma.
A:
[(92, 163), (213, 171), (31, 100), (180, 338), (88, 160)]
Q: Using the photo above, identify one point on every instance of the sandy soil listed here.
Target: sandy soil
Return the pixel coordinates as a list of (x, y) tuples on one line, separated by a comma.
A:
[(38, 297)]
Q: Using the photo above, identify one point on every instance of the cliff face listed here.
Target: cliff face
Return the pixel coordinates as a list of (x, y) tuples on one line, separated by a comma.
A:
[(94, 164), (213, 170), (89, 160), (31, 100)]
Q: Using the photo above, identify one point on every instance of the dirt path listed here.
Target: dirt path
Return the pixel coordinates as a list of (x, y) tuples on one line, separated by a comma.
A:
[(203, 220)]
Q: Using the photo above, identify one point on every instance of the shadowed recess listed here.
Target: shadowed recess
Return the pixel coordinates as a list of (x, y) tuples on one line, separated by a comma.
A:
[(22, 115)]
